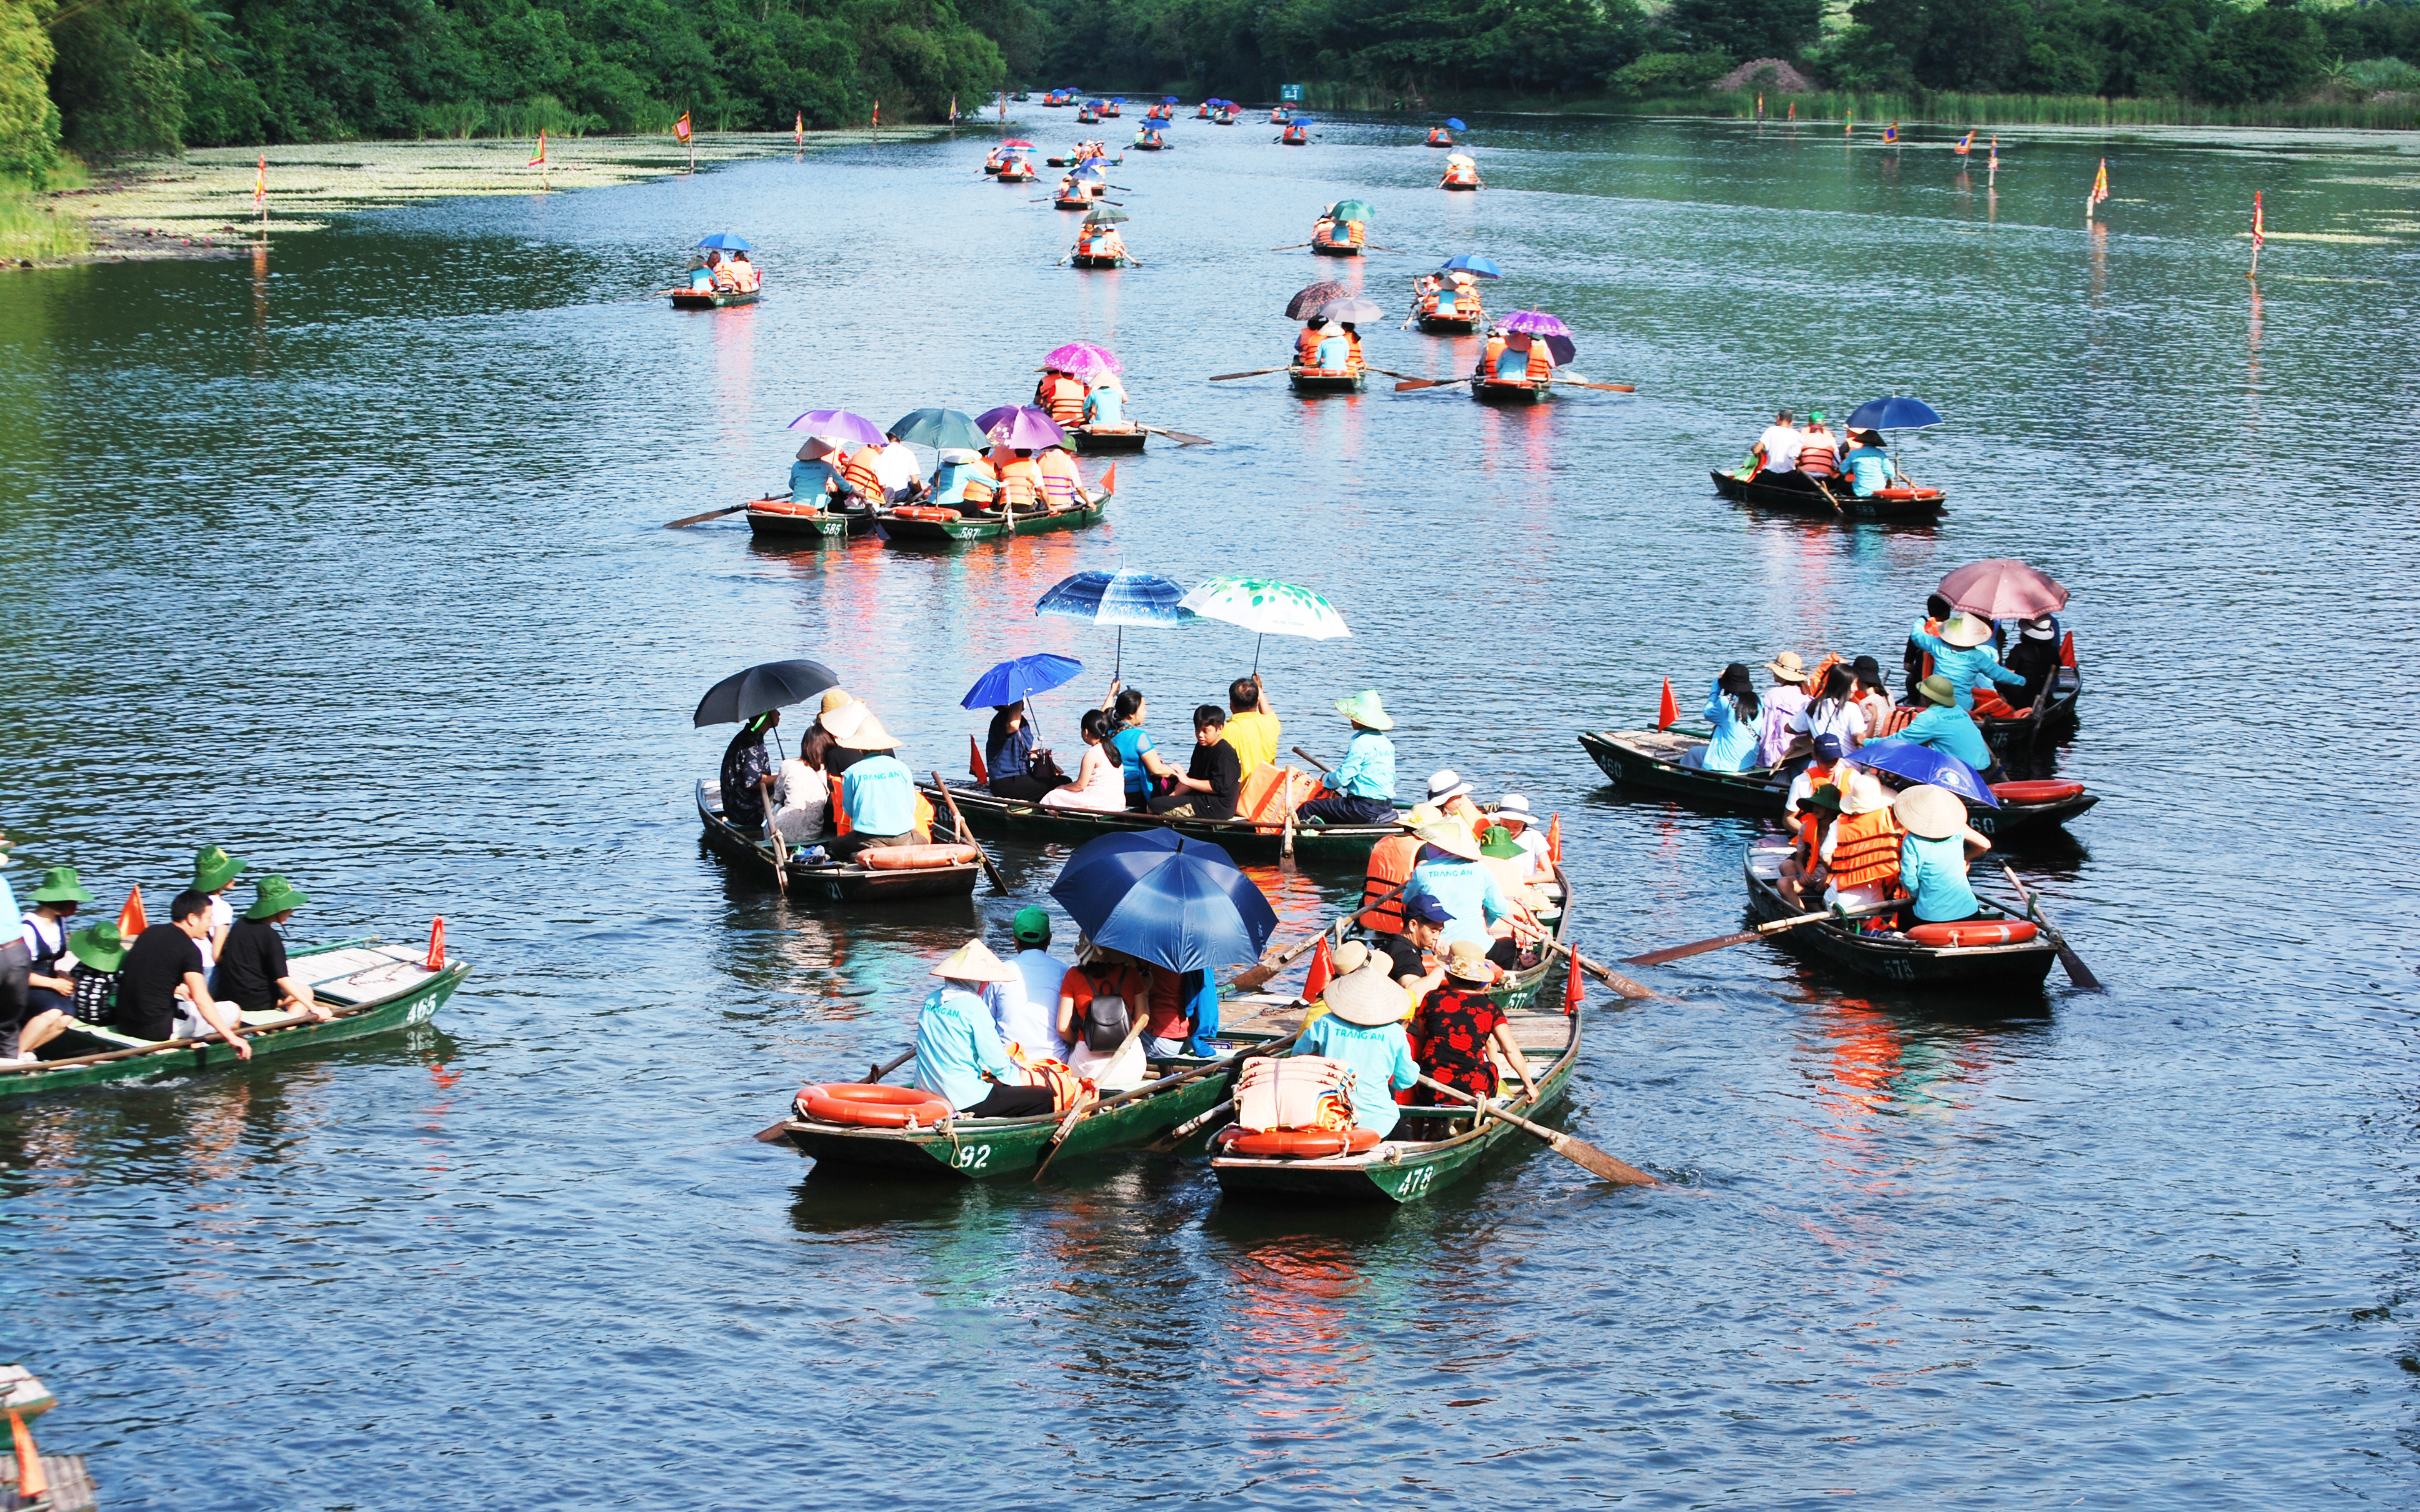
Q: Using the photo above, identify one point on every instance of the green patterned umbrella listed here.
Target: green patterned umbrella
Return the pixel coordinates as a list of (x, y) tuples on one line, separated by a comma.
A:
[(1267, 606)]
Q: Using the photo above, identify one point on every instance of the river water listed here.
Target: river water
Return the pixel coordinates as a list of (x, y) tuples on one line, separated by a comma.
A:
[(349, 559)]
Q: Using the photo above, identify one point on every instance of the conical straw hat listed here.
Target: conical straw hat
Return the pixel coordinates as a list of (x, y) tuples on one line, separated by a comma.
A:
[(974, 961)]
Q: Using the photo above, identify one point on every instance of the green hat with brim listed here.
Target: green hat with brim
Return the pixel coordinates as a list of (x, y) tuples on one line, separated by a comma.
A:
[(277, 896), (1030, 926), (59, 885), (1363, 708), (1825, 796), (1500, 843), (101, 947), (1939, 689), (213, 868)]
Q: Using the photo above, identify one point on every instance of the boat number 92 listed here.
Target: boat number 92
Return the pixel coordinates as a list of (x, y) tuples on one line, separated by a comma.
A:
[(971, 1157), (1416, 1183)]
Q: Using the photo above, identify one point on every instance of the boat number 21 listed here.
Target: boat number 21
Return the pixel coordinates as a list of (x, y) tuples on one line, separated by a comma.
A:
[(1416, 1183), (971, 1157)]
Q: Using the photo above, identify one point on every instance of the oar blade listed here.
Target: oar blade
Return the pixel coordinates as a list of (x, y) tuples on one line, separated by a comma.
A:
[(1600, 1165), (1677, 952), (772, 1134), (687, 520)]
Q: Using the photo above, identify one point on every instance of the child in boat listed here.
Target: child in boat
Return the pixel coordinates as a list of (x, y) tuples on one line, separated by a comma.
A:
[(1100, 783)]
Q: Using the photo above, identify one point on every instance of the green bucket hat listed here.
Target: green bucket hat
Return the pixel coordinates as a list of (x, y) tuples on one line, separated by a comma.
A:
[(213, 868), (1031, 926), (101, 947), (1939, 689), (59, 885), (1363, 708), (1500, 843), (277, 896), (1825, 796)]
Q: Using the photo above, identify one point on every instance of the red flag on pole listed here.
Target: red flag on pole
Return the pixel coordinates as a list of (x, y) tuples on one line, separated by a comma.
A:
[(1571, 987), (436, 960), (798, 130), (1322, 966), (975, 767), (2067, 650), (2100, 189), (2260, 231), (1555, 840), (260, 185), (878, 115), (1668, 710), (130, 921), (540, 158), (1110, 481), (1793, 110), (681, 128)]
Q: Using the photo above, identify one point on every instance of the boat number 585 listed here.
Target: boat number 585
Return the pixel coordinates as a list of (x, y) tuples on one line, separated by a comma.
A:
[(971, 1157)]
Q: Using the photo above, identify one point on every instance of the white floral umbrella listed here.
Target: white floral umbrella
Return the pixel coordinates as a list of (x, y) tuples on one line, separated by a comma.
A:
[(1267, 606)]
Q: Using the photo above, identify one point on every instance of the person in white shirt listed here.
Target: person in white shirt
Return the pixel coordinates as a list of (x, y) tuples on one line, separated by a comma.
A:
[(895, 466), (1027, 1009), (1823, 767), (1834, 711), (1512, 812), (1780, 445), (802, 789)]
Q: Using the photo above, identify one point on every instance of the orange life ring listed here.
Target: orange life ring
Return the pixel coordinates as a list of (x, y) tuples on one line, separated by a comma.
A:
[(925, 512), (1304, 1143), (871, 1106), (1906, 494), (2044, 791), (1975, 932), (916, 857)]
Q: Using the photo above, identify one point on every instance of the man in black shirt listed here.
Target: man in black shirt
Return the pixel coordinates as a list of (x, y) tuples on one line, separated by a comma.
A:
[(1208, 787), (1423, 935), (251, 965), (163, 958)]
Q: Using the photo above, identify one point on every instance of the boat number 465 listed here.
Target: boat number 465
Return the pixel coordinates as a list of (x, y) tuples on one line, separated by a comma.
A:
[(971, 1157)]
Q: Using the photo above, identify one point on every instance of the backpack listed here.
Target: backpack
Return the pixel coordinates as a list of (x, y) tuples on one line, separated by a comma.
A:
[(1106, 1020), (1293, 1092)]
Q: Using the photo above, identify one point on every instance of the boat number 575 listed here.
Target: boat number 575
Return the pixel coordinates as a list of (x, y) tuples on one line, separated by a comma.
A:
[(971, 1157)]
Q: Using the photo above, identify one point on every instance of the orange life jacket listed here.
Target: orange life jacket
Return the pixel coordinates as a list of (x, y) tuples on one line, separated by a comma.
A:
[(1495, 351), (857, 470), (1306, 348), (1515, 887), (1390, 862), (1060, 479), (1354, 363), (1819, 456), (1542, 363), (979, 490), (1865, 849), (1066, 399), (1020, 480)]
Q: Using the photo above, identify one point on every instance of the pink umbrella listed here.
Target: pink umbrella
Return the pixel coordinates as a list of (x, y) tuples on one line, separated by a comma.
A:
[(1021, 426), (2004, 589), (1083, 360)]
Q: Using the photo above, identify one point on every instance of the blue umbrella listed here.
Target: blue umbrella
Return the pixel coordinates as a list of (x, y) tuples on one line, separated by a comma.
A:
[(1088, 173), (1455, 123), (1168, 100), (1894, 413), (1922, 763), (1303, 120), (1118, 598), (728, 242), (1463, 262), (1163, 898), (1015, 681)]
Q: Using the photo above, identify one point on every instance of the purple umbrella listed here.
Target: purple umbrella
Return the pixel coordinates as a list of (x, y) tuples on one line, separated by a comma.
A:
[(1021, 426), (1535, 323), (838, 425), (1082, 359), (1558, 348)]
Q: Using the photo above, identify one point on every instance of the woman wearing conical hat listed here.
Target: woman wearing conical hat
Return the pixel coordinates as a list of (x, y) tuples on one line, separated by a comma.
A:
[(959, 1053), (1361, 790)]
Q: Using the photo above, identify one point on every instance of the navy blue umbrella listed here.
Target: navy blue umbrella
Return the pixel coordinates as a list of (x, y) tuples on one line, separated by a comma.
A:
[(1464, 262), (1162, 897), (1013, 681), (728, 242), (1894, 413), (1922, 763)]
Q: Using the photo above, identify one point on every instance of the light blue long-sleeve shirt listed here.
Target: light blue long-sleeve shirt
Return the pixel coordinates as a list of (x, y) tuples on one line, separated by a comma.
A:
[(1953, 733), (811, 480), (878, 795), (1380, 1059), (957, 1044), (1736, 741), (1368, 769), (1965, 666), (1466, 890), (1934, 873)]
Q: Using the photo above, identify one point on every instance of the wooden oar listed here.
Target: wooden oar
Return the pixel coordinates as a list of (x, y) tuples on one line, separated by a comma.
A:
[(1185, 1130), (1257, 372), (1246, 981), (1827, 494), (1612, 978), (1180, 438), (1579, 1152), (873, 1075), (2077, 972), (1409, 384), (1227, 1062), (687, 520), (1406, 376), (1308, 757), (991, 868), (1771, 927), (1578, 382), (1296, 247), (780, 854)]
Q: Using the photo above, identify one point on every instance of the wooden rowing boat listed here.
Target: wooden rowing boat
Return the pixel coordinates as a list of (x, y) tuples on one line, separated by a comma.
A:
[(980, 1149), (2055, 723), (1334, 249), (712, 300), (991, 525), (1801, 496), (1498, 391), (1651, 759), (1449, 325), (832, 882), (1090, 259), (785, 518), (1893, 958), (1080, 202), (1320, 380), (987, 814), (372, 988), (1458, 184), (1090, 442)]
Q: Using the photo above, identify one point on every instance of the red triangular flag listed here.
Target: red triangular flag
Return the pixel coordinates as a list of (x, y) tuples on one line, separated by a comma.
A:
[(1110, 481), (2067, 650), (1666, 711), (1572, 988), (1555, 840), (130, 921), (975, 767), (436, 960), (1321, 967)]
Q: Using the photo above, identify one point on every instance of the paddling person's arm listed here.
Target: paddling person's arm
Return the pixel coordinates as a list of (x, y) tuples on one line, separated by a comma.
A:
[(218, 1015), (1511, 1049)]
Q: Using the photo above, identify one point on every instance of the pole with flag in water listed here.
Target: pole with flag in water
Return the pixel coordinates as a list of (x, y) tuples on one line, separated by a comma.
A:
[(261, 193), (683, 133), (877, 117), (1849, 126), (2099, 190), (1890, 134), (2260, 232), (1793, 110), (798, 130), (1994, 170), (1966, 144), (1669, 709), (954, 110), (539, 161)]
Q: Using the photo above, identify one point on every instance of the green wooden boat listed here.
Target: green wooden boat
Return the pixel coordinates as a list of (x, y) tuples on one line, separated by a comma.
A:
[(1489, 391), (1313, 380), (987, 814), (994, 525), (829, 881), (1090, 442), (777, 518), (372, 987), (980, 1149), (719, 300)]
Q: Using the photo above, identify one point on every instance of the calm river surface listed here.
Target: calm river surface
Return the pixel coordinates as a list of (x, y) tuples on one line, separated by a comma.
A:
[(351, 560)]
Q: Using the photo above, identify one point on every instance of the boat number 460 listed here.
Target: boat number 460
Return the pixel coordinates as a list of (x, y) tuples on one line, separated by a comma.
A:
[(971, 1157)]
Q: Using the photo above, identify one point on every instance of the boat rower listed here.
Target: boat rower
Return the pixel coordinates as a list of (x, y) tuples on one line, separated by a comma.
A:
[(1962, 653), (1950, 729), (963, 481), (959, 1053), (1105, 407), (813, 477), (1776, 452), (1933, 856), (1361, 790), (1363, 1031)]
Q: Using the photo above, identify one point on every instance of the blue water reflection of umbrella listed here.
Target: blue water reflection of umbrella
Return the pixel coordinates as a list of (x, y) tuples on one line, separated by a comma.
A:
[(726, 241), (1173, 902), (1472, 263), (1922, 763), (1117, 598)]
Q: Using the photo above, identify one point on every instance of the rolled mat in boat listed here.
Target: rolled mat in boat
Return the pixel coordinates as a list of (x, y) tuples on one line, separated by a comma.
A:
[(916, 857)]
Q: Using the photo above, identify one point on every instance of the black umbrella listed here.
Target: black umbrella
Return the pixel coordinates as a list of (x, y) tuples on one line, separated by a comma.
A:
[(1300, 306), (761, 689)]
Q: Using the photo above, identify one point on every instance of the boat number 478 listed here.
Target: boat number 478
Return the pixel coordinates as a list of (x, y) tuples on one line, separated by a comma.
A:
[(1416, 1183)]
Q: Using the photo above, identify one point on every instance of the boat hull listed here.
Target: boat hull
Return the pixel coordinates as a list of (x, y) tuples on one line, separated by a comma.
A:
[(1107, 443), (831, 884), (1323, 249), (2057, 722), (1449, 325), (1087, 260), (1326, 382), (994, 527), (1809, 500), (686, 300), (1451, 187), (977, 1149), (825, 525), (987, 814), (1894, 959), (1489, 391)]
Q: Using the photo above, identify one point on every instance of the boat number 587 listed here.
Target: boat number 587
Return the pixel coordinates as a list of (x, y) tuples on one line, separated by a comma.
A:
[(971, 1157)]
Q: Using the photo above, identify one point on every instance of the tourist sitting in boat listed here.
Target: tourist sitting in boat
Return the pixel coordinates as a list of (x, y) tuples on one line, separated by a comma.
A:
[(742, 274), (1458, 1022), (1098, 240), (1020, 480), (1860, 856), (1515, 356), (99, 952), (1866, 464), (1812, 815), (1027, 1009), (1102, 1003), (701, 273), (746, 774), (1334, 351), (895, 468), (1934, 854), (1915, 660), (878, 795), (813, 477), (253, 972), (1731, 709), (840, 713), (44, 933), (1363, 1031), (1510, 864), (1456, 298), (1950, 729), (1459, 170), (1252, 725), (1206, 788), (1105, 407), (1353, 360), (965, 482), (1414, 956), (1513, 813), (1440, 137), (1961, 653), (1010, 757), (1100, 783), (1818, 450), (1776, 452), (1873, 698), (1822, 765), (861, 474), (1361, 790), (163, 960), (1449, 796), (1784, 702), (1306, 343), (1063, 486), (1834, 711), (1451, 869), (1144, 773), (2035, 657), (959, 1053), (1296, 134), (802, 789)]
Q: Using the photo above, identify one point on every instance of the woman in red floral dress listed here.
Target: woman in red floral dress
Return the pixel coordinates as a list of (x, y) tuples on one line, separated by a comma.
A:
[(1455, 1026)]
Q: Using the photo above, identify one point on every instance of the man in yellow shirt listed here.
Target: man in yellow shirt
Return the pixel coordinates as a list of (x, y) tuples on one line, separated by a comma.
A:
[(1252, 726)]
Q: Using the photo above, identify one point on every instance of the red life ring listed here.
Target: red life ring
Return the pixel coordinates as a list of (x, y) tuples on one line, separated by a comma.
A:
[(925, 512), (1304, 1143), (1975, 932), (871, 1106), (1906, 494), (2049, 790)]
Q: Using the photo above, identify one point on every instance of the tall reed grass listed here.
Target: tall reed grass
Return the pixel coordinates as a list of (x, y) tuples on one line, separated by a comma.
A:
[(32, 225)]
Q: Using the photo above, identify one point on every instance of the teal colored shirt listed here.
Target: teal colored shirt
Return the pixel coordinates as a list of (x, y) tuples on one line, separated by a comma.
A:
[(1868, 468), (1334, 353), (1368, 769), (1379, 1058), (1468, 892), (1104, 406), (950, 481), (1953, 733), (1934, 873), (1736, 742), (1965, 666), (1131, 743), (957, 1045), (1511, 365), (878, 795), (810, 481)]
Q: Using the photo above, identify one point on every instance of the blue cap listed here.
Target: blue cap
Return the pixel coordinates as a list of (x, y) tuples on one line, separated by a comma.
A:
[(1827, 748), (1427, 909)]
